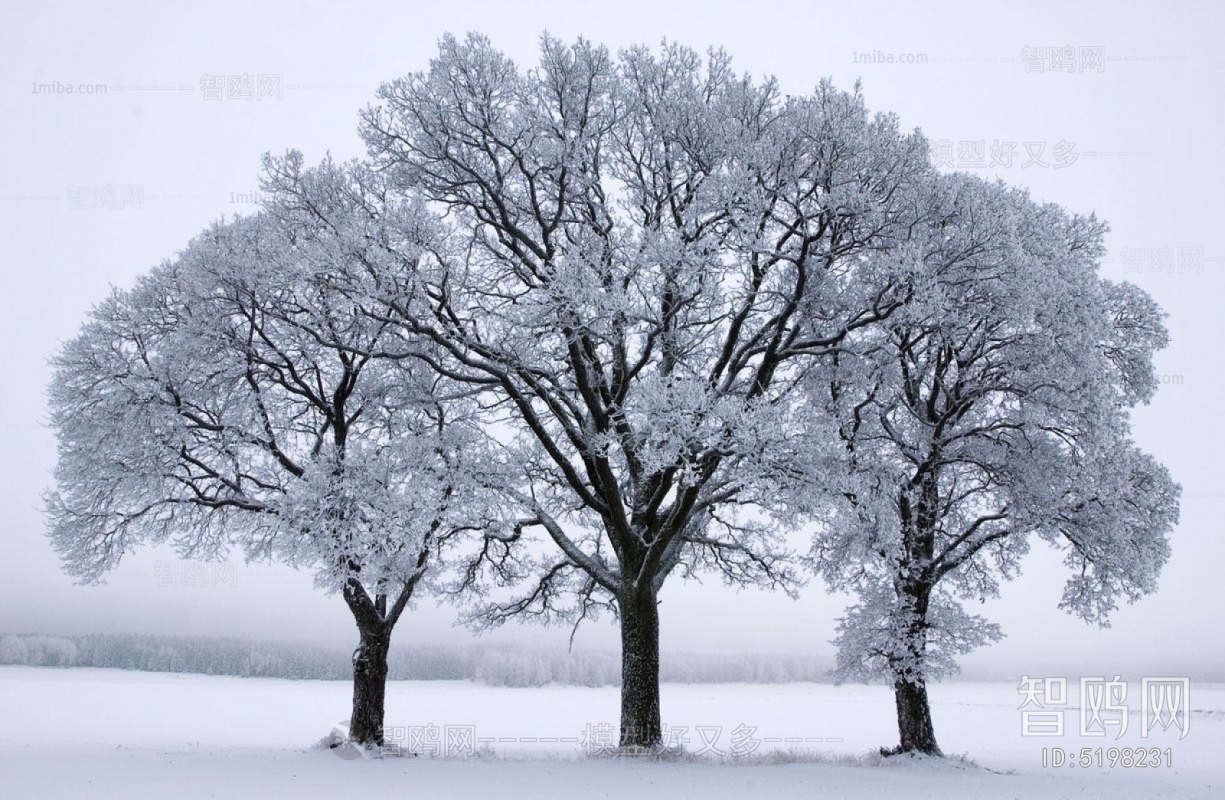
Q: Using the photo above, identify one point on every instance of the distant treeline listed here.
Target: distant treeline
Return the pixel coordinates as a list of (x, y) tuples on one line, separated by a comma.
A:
[(493, 665)]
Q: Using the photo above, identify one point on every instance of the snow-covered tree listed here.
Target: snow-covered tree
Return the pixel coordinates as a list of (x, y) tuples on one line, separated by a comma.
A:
[(991, 409), (239, 396), (636, 258), (13, 650)]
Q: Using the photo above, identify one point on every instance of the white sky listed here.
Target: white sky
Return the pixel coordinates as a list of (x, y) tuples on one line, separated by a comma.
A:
[(1146, 130)]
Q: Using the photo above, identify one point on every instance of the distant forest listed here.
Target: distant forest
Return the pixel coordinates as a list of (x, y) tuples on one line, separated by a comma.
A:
[(493, 665)]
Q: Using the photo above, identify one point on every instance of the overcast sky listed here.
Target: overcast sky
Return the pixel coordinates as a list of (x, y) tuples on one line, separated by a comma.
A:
[(99, 186)]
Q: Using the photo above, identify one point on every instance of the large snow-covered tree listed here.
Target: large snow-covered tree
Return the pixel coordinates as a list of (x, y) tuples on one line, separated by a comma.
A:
[(239, 397), (991, 409), (637, 257)]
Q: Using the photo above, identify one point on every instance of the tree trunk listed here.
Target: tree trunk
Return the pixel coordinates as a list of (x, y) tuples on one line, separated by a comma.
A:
[(914, 717), (640, 725), (369, 686)]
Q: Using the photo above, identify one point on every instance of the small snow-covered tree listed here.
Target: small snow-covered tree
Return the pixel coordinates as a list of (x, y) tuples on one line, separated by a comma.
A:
[(13, 650), (637, 257), (991, 409), (240, 396)]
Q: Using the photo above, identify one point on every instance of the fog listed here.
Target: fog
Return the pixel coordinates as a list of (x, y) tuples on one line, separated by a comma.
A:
[(1145, 130)]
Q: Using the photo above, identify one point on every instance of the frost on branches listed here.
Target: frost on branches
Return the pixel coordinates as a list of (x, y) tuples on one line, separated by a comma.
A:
[(579, 328), (241, 396), (638, 258), (991, 409)]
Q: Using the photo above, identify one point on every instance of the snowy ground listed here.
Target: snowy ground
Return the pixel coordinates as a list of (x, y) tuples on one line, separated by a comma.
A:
[(86, 733)]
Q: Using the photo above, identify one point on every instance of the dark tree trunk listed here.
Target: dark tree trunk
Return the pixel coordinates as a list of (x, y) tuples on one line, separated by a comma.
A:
[(914, 717), (369, 686), (375, 622), (640, 725)]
